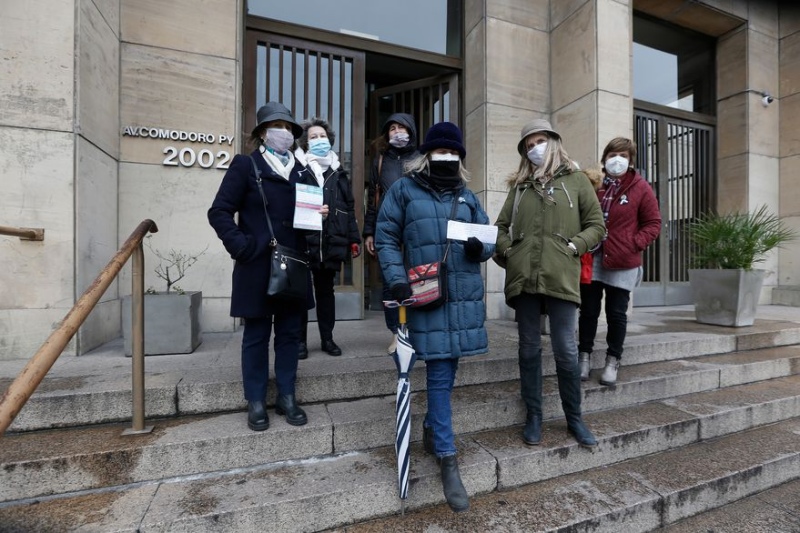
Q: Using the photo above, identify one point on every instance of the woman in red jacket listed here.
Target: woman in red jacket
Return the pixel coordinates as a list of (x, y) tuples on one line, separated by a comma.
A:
[(633, 221)]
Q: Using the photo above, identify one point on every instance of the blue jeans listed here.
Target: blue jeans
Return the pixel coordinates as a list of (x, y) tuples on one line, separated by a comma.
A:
[(441, 374), (255, 353), (616, 315), (562, 315)]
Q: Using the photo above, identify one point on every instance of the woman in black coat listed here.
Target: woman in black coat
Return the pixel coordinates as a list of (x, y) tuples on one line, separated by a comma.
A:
[(339, 237), (247, 239)]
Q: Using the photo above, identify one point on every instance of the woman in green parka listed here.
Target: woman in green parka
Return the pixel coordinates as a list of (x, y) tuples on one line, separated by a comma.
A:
[(550, 218)]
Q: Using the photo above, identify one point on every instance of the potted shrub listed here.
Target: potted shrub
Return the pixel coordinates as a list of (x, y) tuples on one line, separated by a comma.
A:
[(725, 286), (172, 317)]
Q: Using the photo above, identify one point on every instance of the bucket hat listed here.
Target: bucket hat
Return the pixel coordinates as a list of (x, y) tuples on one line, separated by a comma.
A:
[(276, 111), (444, 135), (535, 126)]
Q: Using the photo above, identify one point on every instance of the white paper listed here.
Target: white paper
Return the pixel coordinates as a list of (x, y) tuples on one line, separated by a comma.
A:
[(461, 231), (308, 201)]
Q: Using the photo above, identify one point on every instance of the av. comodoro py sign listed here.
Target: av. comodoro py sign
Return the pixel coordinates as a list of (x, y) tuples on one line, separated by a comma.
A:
[(187, 156)]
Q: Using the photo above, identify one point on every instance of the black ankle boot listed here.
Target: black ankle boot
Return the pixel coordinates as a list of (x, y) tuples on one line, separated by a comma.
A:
[(287, 405), (532, 434), (427, 439), (581, 433), (257, 418), (302, 351), (454, 491)]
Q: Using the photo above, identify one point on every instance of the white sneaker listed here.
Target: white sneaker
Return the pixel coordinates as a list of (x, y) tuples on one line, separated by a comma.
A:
[(609, 376), (393, 346), (585, 362)]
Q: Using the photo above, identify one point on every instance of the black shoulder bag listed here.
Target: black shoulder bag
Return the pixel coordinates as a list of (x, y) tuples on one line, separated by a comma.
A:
[(288, 278)]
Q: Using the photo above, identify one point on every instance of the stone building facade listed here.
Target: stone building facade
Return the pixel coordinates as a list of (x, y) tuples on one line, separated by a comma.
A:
[(115, 111)]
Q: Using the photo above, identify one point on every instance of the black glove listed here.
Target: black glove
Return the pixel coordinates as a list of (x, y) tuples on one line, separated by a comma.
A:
[(473, 249), (401, 291)]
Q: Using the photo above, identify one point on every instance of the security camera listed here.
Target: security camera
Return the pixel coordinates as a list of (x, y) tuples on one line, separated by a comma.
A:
[(767, 99)]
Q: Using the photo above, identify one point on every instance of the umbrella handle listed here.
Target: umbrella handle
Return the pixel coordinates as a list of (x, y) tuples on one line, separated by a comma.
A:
[(402, 314)]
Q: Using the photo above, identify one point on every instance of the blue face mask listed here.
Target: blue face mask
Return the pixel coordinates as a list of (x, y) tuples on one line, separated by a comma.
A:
[(319, 147)]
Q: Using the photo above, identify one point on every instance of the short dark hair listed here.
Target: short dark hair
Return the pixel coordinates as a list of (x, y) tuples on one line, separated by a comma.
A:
[(302, 141), (620, 144)]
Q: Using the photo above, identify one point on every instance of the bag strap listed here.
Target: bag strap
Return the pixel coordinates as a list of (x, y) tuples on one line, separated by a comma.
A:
[(517, 198), (451, 217), (272, 242), (378, 184)]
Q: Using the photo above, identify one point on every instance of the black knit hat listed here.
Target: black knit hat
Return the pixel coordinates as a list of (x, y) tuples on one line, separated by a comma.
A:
[(275, 111), (444, 135)]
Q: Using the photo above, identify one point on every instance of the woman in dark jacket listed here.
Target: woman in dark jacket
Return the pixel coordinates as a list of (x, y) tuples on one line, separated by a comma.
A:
[(633, 222), (392, 150), (339, 237), (247, 240), (412, 230)]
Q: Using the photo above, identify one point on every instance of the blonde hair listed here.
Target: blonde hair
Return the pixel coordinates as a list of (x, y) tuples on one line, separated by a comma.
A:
[(421, 164), (555, 156)]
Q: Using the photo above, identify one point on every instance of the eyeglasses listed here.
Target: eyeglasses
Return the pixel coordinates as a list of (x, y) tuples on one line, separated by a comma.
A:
[(394, 304)]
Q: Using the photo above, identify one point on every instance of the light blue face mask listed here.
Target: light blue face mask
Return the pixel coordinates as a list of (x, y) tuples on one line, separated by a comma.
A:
[(319, 147)]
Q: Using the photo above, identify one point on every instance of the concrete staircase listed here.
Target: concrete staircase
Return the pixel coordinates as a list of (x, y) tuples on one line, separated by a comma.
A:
[(701, 416)]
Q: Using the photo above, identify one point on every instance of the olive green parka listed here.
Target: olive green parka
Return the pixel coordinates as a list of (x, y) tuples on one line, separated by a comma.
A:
[(539, 258)]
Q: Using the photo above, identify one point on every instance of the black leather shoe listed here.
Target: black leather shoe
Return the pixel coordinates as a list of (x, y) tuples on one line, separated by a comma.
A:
[(302, 352), (331, 348), (286, 405), (532, 434), (257, 418)]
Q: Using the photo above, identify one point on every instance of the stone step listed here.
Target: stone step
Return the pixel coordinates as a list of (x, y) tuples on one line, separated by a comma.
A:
[(615, 487), (786, 295), (96, 388), (771, 511), (56, 461), (656, 492)]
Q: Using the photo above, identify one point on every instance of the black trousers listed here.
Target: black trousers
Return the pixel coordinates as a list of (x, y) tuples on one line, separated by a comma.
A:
[(324, 279), (616, 316)]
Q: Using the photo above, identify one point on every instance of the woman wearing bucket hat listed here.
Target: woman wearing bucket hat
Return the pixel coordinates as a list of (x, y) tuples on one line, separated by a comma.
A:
[(556, 218), (412, 230), (247, 239), (392, 150)]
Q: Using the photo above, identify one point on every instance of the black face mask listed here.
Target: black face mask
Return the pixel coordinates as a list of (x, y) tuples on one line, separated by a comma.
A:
[(444, 169)]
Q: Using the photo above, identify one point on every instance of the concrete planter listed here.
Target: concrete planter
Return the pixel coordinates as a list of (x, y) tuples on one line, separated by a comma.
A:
[(171, 322), (726, 297)]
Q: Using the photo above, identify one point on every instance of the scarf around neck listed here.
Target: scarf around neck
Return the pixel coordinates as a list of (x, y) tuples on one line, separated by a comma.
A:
[(283, 169)]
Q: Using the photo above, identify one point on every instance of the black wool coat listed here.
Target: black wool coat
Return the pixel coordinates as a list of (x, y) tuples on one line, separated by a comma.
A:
[(247, 239), (330, 247)]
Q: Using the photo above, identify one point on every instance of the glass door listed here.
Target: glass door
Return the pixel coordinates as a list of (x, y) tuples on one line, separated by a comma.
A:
[(428, 100), (315, 80)]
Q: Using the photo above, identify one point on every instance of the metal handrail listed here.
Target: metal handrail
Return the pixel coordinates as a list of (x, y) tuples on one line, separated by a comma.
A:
[(25, 384), (25, 234)]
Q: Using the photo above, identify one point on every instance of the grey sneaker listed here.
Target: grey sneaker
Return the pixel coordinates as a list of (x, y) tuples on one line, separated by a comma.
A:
[(609, 376), (585, 361)]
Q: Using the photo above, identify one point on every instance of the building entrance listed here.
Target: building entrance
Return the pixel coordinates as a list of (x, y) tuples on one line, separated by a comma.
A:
[(355, 90)]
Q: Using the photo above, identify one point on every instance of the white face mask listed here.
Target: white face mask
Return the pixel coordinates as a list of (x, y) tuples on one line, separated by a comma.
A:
[(616, 165), (536, 154), (279, 139), (399, 140), (445, 157)]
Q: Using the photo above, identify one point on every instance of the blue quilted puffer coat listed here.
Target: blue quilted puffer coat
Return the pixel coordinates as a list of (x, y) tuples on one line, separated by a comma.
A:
[(412, 230)]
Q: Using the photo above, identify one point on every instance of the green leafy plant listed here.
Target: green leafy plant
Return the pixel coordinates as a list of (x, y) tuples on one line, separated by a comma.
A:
[(172, 266), (737, 240)]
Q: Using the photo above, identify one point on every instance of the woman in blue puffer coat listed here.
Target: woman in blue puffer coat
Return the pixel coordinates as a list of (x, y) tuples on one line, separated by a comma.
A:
[(412, 230)]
